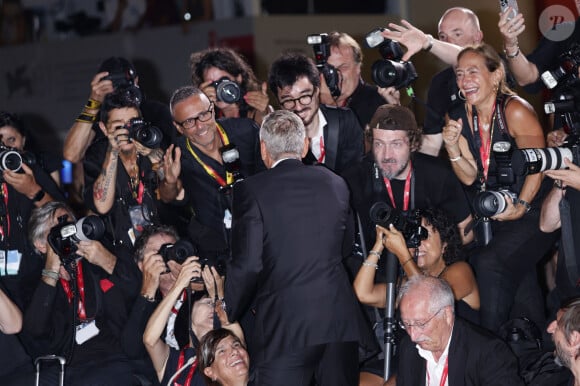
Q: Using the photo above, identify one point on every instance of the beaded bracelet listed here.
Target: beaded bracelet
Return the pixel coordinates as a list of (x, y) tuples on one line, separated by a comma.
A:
[(369, 264)]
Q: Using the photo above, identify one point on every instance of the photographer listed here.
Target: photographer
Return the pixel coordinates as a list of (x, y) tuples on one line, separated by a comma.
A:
[(211, 67), (79, 305), (209, 157), (119, 171), (496, 119), (335, 136), (561, 209), (181, 365), (362, 98), (437, 255), (24, 185)]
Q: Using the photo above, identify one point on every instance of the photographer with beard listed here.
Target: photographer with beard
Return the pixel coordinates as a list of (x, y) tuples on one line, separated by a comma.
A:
[(79, 305)]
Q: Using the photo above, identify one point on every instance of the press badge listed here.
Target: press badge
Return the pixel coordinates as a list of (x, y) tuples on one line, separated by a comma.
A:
[(228, 219), (86, 331)]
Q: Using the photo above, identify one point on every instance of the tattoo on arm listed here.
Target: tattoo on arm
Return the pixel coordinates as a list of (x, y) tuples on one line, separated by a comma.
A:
[(103, 185)]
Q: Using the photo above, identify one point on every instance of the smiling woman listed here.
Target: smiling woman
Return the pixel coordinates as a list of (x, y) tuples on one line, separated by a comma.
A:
[(223, 359)]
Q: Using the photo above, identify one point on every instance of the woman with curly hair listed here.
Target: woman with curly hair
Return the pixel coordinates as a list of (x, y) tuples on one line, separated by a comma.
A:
[(214, 64), (438, 255)]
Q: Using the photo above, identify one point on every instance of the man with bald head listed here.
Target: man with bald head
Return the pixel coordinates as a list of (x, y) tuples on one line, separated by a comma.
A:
[(440, 348), (458, 26)]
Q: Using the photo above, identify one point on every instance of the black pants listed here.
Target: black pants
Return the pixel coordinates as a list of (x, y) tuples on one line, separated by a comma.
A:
[(502, 265), (331, 364)]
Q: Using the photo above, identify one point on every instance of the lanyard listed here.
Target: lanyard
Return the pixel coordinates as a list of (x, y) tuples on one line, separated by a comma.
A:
[(208, 169), (407, 191), (138, 196), (483, 146), (180, 363), (5, 232), (81, 288), (443, 376), (322, 150)]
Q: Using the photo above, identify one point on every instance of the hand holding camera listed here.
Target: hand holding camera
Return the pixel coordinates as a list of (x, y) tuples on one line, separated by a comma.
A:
[(190, 272), (569, 177), (391, 239), (258, 99), (153, 267), (411, 37), (22, 181), (101, 85)]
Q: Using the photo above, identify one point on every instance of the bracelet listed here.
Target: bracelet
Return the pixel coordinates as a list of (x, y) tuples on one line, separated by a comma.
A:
[(38, 196), (223, 303), (150, 299), (406, 261), (524, 203), (373, 252), (369, 264), (50, 274), (511, 56), (93, 104), (86, 118), (455, 159), (430, 43)]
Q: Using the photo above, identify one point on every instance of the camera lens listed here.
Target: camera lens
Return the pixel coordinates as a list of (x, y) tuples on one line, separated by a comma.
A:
[(227, 91), (90, 228), (489, 203), (532, 161), (148, 136), (387, 73), (10, 160)]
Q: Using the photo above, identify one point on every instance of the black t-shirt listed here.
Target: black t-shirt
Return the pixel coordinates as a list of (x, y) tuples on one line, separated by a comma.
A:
[(434, 186), (546, 56), (364, 101), (442, 95), (202, 191)]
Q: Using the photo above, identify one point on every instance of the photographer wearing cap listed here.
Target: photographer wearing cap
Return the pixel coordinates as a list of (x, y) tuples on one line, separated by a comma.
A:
[(120, 170), (79, 304)]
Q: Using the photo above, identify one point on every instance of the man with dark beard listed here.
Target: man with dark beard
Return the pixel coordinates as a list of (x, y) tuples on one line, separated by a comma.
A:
[(394, 172), (565, 331), (335, 136)]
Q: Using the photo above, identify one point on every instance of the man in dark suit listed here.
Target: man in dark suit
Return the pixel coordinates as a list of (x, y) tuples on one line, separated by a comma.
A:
[(336, 138), (291, 229), (442, 349)]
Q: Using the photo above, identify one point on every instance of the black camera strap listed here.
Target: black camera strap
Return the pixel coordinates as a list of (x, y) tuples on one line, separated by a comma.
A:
[(567, 242), (331, 133)]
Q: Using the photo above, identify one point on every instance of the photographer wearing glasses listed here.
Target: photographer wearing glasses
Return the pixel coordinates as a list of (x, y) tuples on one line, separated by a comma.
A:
[(442, 348), (205, 162), (335, 136)]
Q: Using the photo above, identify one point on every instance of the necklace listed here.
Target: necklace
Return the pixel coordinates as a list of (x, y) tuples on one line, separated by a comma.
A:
[(485, 126)]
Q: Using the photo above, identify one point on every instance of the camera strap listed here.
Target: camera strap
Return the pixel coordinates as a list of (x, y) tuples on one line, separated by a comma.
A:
[(81, 291), (483, 147), (4, 216), (407, 192), (208, 169)]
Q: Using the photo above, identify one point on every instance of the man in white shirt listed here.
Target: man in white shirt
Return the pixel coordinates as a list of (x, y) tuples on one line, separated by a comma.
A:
[(442, 349)]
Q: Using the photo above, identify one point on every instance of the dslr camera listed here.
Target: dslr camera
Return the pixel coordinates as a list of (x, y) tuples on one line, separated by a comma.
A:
[(321, 46), (64, 237), (409, 224), (227, 90), (121, 79), (489, 203), (178, 252), (144, 133), (567, 71), (391, 71)]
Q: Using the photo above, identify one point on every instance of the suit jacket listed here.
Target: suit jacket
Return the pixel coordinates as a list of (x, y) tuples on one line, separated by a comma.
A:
[(292, 227), (476, 358), (343, 139)]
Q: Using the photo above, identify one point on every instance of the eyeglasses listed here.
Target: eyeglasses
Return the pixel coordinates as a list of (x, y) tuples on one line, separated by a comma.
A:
[(304, 100), (419, 325), (202, 117)]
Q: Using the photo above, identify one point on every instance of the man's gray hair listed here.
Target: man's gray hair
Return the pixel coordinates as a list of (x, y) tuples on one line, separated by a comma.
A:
[(436, 290), (570, 319), (182, 94), (283, 134), (42, 220)]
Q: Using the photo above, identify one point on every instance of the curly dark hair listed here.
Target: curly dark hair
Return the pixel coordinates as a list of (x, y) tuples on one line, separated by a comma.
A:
[(12, 120), (226, 60), (448, 232), (123, 97)]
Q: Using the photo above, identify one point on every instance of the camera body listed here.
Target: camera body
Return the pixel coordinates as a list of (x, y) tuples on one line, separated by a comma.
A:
[(227, 90), (567, 71), (409, 224), (144, 133), (64, 237), (489, 203), (121, 79), (391, 71), (321, 46)]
